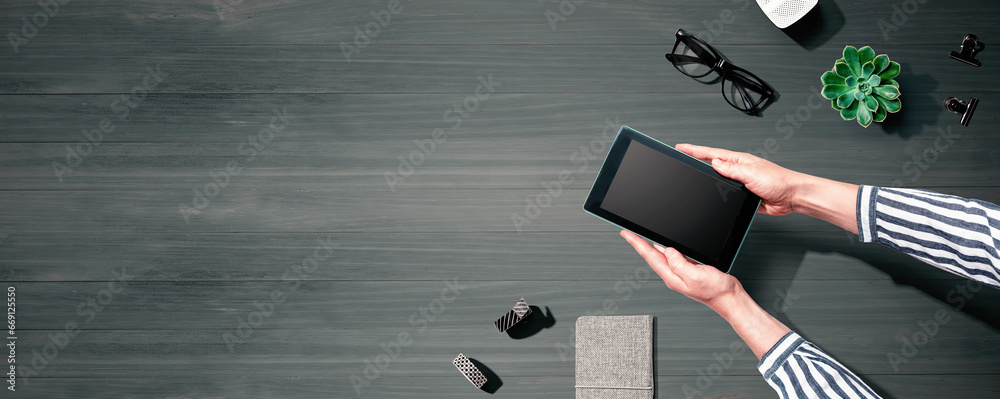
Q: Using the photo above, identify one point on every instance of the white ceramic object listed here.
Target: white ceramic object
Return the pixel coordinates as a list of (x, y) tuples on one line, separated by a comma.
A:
[(785, 12)]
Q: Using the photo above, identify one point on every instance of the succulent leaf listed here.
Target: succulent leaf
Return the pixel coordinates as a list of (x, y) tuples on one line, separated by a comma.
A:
[(831, 78), (866, 70), (846, 99), (874, 81), (880, 114), (889, 105), (866, 54), (891, 82), (852, 60), (842, 70), (881, 62), (831, 92), (851, 112), (889, 92), (864, 116), (858, 95), (870, 103), (851, 81), (890, 71)]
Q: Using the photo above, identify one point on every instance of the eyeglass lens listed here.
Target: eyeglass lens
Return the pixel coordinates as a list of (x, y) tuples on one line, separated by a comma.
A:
[(742, 90), (692, 58)]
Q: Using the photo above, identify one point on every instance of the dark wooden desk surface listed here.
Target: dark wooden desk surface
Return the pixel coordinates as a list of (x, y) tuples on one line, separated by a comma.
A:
[(193, 315)]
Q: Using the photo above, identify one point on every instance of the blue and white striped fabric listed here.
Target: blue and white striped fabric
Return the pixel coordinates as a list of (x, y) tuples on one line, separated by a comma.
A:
[(955, 234), (796, 368)]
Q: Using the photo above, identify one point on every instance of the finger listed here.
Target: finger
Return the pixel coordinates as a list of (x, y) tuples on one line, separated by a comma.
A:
[(731, 170), (640, 245), (656, 259), (663, 251), (707, 154), (678, 264), (652, 256), (764, 208), (660, 248)]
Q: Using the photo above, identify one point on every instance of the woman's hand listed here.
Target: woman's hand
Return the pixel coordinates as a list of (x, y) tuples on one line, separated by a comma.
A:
[(702, 283), (775, 185)]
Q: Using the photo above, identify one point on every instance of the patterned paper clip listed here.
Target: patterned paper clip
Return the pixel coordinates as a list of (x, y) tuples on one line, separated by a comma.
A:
[(516, 315), (470, 371)]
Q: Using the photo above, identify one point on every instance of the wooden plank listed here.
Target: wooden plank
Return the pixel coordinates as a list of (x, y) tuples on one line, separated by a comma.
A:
[(875, 302), (495, 22), (511, 148), (362, 118), (110, 354), (447, 69), (566, 256), (317, 352), (521, 386), (307, 210), (384, 169)]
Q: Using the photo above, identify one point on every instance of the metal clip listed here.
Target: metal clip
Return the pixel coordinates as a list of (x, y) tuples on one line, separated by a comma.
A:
[(470, 371), (970, 47), (959, 107), (516, 315)]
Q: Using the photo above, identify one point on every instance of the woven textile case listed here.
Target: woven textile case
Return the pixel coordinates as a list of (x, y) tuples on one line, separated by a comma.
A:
[(614, 357)]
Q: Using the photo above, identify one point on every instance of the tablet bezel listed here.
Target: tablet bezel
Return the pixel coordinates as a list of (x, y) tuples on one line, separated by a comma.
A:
[(599, 190)]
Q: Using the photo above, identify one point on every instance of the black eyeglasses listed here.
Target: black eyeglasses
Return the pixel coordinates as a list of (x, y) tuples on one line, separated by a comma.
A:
[(742, 89)]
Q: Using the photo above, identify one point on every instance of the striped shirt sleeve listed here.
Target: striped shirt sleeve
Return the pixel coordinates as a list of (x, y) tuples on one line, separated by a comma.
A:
[(959, 235), (796, 368)]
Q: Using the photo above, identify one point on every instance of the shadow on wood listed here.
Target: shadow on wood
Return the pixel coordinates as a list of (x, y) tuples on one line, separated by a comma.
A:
[(532, 324), (493, 381), (919, 108), (766, 280), (818, 26)]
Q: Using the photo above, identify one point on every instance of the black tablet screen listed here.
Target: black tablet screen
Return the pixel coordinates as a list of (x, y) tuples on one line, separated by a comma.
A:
[(674, 200)]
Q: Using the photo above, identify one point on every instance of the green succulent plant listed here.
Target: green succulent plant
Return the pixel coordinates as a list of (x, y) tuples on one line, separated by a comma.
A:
[(861, 85)]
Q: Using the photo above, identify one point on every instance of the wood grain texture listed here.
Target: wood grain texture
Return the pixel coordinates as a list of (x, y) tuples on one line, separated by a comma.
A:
[(255, 22), (318, 210), (430, 256), (728, 386), (224, 118), (485, 162), (350, 121), (448, 69)]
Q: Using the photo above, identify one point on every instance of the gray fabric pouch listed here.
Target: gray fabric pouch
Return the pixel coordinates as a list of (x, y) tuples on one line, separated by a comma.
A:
[(614, 357)]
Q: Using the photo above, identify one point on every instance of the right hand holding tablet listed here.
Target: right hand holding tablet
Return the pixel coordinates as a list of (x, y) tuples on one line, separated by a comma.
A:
[(772, 183)]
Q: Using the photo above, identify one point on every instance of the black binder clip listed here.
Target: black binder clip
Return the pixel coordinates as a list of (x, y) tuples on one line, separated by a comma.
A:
[(519, 313), (970, 47), (959, 107), (470, 371)]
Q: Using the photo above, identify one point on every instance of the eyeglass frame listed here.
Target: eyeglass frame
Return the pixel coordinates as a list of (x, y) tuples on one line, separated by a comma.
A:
[(722, 67)]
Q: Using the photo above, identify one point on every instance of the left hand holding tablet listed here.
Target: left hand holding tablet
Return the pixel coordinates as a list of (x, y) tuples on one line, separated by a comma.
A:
[(702, 283)]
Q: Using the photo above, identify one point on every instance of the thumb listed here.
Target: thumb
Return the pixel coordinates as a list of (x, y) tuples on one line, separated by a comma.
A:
[(729, 169)]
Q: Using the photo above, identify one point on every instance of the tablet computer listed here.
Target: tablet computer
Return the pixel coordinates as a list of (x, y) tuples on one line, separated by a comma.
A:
[(673, 199)]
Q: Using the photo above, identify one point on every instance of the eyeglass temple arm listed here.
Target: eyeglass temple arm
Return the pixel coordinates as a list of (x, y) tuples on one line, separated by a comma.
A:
[(754, 86), (701, 52), (746, 98)]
